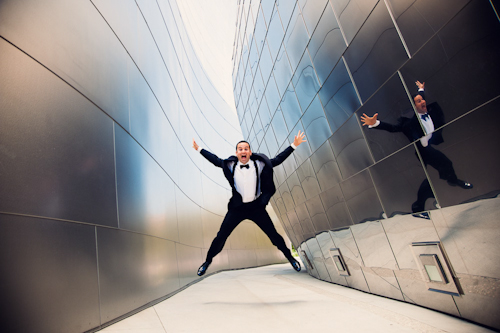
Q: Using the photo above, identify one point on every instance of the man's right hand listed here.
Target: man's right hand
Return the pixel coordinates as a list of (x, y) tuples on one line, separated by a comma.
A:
[(369, 121), (195, 146)]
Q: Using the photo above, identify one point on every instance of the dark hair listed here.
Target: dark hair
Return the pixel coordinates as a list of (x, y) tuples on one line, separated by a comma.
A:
[(415, 95), (241, 142)]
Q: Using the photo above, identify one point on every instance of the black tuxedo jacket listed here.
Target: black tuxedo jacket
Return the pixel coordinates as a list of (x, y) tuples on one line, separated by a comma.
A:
[(266, 177)]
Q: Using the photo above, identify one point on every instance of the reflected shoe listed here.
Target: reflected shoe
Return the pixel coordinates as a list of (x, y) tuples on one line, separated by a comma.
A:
[(423, 215), (295, 264), (461, 183), (203, 268)]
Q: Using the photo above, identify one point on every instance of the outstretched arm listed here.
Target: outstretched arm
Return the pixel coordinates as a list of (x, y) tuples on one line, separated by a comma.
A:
[(209, 156), (299, 138)]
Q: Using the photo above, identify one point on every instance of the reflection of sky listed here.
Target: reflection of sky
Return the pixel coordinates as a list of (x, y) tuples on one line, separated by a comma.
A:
[(211, 26)]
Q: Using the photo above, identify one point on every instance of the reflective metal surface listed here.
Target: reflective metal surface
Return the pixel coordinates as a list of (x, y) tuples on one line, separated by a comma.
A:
[(55, 257), (379, 190)]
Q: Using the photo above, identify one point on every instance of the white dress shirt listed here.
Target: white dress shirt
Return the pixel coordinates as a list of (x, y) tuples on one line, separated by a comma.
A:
[(428, 127), (245, 180)]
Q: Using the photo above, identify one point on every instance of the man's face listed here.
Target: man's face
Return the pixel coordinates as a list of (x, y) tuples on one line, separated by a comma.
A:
[(243, 152), (420, 104)]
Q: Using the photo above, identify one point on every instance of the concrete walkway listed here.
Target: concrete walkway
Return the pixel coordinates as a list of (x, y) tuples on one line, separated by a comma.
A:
[(278, 299)]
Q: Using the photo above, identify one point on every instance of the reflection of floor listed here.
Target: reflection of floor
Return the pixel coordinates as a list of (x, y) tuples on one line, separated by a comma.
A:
[(277, 299)]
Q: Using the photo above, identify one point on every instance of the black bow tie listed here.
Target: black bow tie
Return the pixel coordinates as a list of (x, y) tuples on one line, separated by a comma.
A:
[(425, 116), (244, 166)]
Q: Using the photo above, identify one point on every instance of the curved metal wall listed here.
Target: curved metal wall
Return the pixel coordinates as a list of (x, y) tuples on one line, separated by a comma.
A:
[(318, 66), (104, 205)]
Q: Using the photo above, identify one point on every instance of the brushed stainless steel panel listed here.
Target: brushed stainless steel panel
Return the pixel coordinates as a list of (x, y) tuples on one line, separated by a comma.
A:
[(308, 179), (189, 260), (327, 43), (335, 208), (146, 195), (260, 28), (242, 258), (296, 189), (279, 126), (468, 232), (350, 148), (62, 37), (305, 81), (481, 300), (285, 9), (290, 164), (211, 224), (315, 124), (415, 291), (57, 147), (326, 243), (275, 34), (318, 259), (317, 214), (265, 63), (49, 277), (380, 264), (371, 235), (296, 38), (304, 150), (286, 196), (282, 71), (352, 15), (307, 259), (344, 240), (361, 198), (338, 96), (404, 230), (399, 180), (244, 236), (134, 270), (326, 167), (376, 52), (311, 13), (290, 106), (188, 220), (471, 41), (419, 20), (304, 219), (272, 95)]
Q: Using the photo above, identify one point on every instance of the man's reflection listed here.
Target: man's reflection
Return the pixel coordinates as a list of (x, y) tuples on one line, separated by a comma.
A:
[(422, 131)]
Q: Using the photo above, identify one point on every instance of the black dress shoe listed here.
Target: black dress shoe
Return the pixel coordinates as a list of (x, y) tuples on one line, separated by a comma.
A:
[(203, 268), (461, 183), (295, 265)]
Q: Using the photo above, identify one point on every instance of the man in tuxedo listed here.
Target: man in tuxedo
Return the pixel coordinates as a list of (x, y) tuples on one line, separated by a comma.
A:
[(251, 178), (421, 129)]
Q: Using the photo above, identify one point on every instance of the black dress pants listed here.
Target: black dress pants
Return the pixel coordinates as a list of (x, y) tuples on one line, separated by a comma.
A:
[(251, 211), (439, 161)]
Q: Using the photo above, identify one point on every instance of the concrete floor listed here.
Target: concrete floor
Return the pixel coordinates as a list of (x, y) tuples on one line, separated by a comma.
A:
[(277, 299)]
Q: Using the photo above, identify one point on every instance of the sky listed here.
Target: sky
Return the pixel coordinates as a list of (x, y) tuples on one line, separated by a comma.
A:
[(211, 25)]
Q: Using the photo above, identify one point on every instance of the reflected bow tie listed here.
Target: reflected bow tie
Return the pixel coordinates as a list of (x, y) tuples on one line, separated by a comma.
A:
[(425, 116), (244, 166)]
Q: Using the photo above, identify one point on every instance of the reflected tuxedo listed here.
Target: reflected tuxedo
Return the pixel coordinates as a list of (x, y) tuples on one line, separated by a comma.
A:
[(255, 210), (413, 130)]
